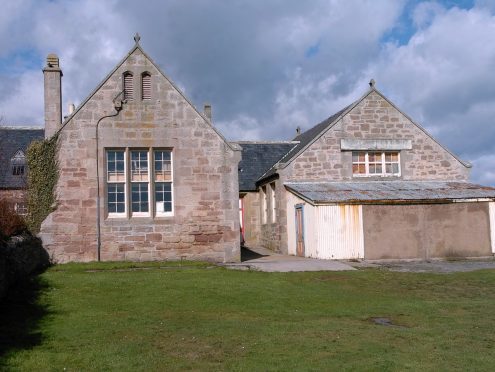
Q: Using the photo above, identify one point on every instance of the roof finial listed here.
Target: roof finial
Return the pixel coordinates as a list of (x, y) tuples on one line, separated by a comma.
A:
[(137, 38), (372, 83)]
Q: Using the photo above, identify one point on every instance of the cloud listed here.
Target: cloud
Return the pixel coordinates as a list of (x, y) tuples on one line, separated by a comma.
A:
[(268, 67)]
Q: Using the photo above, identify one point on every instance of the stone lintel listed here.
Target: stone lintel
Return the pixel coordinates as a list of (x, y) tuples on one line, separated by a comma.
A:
[(375, 144)]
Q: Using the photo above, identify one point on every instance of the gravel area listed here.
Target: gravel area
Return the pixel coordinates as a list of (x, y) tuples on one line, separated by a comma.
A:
[(436, 266)]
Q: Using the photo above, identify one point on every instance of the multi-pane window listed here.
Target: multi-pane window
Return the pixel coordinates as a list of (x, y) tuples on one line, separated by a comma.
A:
[(18, 163), (163, 181), (21, 209), (139, 183), (135, 180), (128, 86), (116, 182), (145, 86), (375, 163)]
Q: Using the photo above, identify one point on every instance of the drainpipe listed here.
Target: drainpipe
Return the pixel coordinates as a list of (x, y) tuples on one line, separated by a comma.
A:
[(118, 107)]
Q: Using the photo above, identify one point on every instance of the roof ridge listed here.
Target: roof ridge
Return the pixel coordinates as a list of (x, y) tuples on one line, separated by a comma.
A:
[(22, 127), (264, 142)]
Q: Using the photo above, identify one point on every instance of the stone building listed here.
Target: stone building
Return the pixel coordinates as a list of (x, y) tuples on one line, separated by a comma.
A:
[(14, 142), (368, 182), (143, 174)]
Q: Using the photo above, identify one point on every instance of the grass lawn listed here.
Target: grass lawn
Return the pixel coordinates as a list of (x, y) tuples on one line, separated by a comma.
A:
[(198, 317)]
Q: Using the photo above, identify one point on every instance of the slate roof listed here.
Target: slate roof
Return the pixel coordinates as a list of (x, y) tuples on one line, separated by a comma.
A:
[(306, 138), (388, 191), (257, 158), (13, 139)]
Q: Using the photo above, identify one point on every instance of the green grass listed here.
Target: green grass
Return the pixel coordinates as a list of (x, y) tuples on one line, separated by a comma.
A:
[(190, 316)]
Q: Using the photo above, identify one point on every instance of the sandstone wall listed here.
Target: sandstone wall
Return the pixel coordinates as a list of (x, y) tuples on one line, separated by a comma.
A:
[(205, 224), (375, 118)]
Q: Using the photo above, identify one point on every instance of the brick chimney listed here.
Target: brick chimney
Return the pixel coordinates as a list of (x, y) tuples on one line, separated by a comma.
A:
[(53, 95)]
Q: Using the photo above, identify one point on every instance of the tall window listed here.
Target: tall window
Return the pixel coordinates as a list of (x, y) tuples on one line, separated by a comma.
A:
[(146, 86), (163, 182), (139, 183), (264, 205), (148, 186), (383, 164), (116, 182), (272, 202), (128, 86)]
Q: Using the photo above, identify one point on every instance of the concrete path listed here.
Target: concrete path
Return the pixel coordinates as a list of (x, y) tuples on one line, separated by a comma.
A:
[(261, 259)]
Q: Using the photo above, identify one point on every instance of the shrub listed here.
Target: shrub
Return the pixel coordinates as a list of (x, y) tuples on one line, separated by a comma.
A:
[(42, 179)]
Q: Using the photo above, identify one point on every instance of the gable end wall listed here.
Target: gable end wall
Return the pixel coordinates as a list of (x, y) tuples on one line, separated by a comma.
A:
[(205, 224)]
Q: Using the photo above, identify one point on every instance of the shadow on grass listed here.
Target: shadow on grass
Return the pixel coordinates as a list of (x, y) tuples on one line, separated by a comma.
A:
[(20, 314), (247, 254)]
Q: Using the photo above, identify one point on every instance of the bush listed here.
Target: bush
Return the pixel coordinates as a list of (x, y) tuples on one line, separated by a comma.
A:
[(10, 222), (21, 257)]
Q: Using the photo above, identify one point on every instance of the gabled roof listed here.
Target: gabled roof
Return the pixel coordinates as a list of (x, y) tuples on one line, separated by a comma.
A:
[(13, 140), (137, 46), (385, 192), (257, 158), (307, 138)]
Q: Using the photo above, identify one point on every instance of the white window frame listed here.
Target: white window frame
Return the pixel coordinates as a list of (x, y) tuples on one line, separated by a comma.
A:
[(273, 208), (264, 205), (131, 182), (21, 208), (152, 210), (124, 182), (383, 164), (170, 213)]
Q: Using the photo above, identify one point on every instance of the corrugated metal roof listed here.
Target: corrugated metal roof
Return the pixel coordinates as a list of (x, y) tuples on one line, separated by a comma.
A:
[(13, 139), (388, 191)]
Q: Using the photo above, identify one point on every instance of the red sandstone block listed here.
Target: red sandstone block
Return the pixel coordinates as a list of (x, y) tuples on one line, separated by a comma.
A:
[(154, 237), (134, 238), (201, 238)]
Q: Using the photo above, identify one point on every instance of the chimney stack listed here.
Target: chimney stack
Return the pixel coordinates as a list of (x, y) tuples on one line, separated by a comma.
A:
[(207, 111), (53, 95)]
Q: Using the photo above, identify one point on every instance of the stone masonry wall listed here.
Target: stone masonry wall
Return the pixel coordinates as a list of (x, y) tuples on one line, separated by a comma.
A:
[(205, 224), (375, 118), (13, 196), (252, 219), (273, 234)]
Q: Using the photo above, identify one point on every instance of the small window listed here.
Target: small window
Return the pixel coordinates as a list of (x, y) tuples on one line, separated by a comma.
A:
[(139, 183), (18, 163), (128, 86), (21, 209), (146, 86), (382, 164)]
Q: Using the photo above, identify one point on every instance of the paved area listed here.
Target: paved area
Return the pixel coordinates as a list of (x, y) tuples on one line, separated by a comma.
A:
[(261, 259), (436, 266)]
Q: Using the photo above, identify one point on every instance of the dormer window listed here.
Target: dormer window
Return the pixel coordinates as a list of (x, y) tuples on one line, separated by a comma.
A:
[(373, 163), (128, 86), (146, 86), (18, 163)]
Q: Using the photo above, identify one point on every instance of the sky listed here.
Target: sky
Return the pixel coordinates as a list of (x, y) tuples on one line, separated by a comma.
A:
[(269, 66)]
